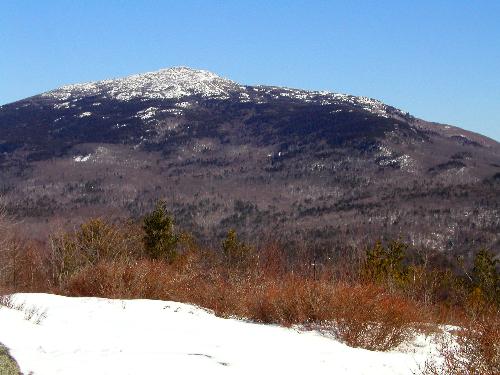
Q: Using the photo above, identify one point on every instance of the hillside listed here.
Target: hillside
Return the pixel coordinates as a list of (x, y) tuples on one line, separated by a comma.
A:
[(101, 336), (327, 168)]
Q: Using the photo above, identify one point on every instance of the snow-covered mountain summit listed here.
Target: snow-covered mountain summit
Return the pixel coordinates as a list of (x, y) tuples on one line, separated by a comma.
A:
[(181, 82), (169, 83)]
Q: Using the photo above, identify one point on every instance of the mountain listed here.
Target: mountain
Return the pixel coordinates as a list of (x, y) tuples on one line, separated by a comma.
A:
[(306, 167)]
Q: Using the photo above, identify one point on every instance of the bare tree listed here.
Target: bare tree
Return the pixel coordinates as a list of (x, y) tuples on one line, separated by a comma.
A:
[(9, 249)]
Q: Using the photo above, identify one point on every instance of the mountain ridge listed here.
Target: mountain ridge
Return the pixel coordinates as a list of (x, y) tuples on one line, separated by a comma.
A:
[(183, 79)]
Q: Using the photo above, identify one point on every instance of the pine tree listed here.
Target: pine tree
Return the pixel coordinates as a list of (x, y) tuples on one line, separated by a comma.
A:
[(234, 250), (160, 241), (486, 277), (386, 264), (395, 257), (374, 267)]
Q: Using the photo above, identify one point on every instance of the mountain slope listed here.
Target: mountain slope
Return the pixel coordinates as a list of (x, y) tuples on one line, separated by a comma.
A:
[(320, 167)]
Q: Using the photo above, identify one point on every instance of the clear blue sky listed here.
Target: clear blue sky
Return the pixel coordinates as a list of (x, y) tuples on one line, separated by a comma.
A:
[(439, 60)]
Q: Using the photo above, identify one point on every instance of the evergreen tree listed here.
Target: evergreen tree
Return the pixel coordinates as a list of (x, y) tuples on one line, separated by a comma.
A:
[(374, 267), (386, 264), (486, 277), (234, 250), (395, 257), (160, 241)]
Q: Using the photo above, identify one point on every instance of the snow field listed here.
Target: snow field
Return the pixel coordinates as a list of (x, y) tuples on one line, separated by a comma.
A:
[(102, 336)]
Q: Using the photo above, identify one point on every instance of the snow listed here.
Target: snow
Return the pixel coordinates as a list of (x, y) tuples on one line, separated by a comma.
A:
[(323, 98), (181, 82), (61, 105), (147, 113), (201, 146), (64, 335), (244, 97), (175, 111), (82, 159), (183, 104), (170, 83), (390, 158)]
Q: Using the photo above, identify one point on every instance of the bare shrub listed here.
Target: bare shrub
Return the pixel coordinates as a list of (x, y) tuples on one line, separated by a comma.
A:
[(368, 316), (289, 300), (33, 269), (23, 264), (474, 348), (34, 314), (9, 250), (272, 260), (143, 279), (94, 241), (6, 301), (31, 313)]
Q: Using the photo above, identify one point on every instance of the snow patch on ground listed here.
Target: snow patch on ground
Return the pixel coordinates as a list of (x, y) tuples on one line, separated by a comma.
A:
[(102, 336), (82, 159), (100, 155), (61, 105), (387, 157), (183, 104), (174, 111), (201, 146), (147, 113)]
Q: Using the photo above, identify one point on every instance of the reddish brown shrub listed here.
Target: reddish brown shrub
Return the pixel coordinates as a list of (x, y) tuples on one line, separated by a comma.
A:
[(365, 316), (290, 300), (368, 316), (32, 269), (144, 279), (24, 267)]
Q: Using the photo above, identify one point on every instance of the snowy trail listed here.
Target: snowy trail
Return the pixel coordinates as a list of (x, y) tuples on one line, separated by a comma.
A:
[(101, 336)]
